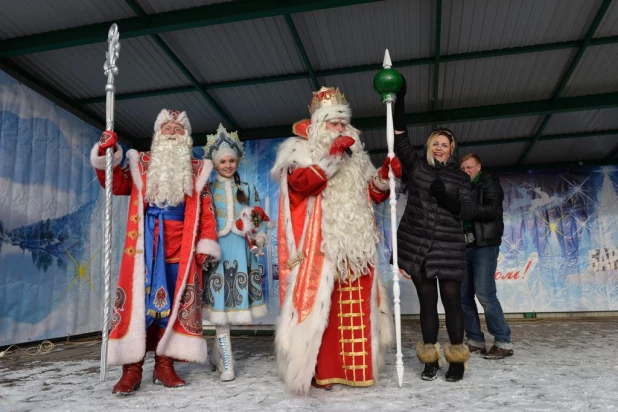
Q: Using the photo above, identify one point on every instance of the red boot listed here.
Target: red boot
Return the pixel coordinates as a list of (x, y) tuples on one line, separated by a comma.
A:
[(130, 380), (164, 373)]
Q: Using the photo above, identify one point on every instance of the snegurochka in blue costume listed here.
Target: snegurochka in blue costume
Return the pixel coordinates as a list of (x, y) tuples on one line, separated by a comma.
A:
[(233, 289)]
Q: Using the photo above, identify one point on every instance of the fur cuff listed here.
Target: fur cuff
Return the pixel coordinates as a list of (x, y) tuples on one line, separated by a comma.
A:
[(428, 353), (208, 247), (456, 353), (330, 164), (380, 184), (98, 162)]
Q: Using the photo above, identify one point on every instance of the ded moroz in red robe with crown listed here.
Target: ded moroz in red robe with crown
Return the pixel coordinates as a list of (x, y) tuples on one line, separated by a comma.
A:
[(336, 320)]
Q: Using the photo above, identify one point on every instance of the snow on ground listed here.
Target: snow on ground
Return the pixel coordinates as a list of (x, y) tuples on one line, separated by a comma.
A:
[(558, 366)]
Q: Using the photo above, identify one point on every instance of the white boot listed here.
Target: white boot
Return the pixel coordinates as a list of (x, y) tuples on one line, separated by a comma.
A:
[(221, 357)]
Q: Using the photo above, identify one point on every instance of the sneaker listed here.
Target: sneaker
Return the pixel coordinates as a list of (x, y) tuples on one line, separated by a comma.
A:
[(474, 349), (498, 353)]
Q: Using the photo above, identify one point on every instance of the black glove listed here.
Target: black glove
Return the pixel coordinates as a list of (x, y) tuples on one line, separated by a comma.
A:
[(445, 200), (399, 113)]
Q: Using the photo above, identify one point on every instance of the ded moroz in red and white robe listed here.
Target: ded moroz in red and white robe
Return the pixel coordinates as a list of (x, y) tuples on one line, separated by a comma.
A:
[(333, 327), (183, 339)]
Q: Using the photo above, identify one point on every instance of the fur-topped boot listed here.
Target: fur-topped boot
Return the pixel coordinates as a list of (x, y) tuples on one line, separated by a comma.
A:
[(457, 356), (429, 354)]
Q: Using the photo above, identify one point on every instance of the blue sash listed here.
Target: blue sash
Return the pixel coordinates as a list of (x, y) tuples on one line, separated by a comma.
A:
[(158, 299)]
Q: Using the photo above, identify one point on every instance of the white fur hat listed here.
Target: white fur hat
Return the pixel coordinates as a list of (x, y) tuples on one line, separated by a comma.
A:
[(329, 103), (172, 115)]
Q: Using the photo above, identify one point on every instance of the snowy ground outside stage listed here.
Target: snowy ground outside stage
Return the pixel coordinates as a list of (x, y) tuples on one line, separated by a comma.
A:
[(558, 366)]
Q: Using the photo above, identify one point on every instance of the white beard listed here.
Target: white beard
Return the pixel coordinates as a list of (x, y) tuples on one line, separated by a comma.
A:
[(349, 236), (170, 173)]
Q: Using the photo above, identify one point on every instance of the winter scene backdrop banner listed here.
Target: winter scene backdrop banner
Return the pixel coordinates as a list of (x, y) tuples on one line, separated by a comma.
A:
[(559, 251), (51, 203)]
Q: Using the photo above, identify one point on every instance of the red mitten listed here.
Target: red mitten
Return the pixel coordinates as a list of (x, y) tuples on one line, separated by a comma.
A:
[(108, 139), (340, 144), (395, 165)]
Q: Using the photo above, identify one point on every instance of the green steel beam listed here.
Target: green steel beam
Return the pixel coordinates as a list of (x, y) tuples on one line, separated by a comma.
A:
[(60, 98), (544, 166), (183, 19), (513, 140), (567, 76), (436, 63), (180, 65), (533, 108), (363, 68), (302, 51)]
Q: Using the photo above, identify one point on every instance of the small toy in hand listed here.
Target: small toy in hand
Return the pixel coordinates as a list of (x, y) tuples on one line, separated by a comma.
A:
[(249, 224)]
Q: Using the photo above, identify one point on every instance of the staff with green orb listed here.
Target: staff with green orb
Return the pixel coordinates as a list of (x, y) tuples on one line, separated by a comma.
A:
[(387, 83)]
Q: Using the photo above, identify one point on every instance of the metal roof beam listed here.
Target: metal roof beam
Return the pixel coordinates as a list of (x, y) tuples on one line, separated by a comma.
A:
[(183, 19), (567, 76), (302, 51), (364, 68), (180, 65), (533, 108), (513, 140), (436, 62)]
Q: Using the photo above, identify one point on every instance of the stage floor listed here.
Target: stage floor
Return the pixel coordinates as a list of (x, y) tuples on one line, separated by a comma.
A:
[(559, 365)]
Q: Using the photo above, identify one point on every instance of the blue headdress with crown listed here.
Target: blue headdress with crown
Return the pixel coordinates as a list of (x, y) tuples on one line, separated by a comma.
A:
[(223, 143)]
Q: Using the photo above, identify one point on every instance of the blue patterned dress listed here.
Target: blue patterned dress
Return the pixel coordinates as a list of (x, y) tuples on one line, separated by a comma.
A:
[(233, 290)]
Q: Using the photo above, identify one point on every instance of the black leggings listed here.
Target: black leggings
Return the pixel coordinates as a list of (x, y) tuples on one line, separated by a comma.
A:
[(450, 293)]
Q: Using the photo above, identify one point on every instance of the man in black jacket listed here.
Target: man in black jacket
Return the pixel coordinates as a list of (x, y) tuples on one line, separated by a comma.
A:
[(483, 238)]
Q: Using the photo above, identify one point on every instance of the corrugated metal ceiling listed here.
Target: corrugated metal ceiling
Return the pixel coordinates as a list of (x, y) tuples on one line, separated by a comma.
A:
[(473, 25), (234, 51), (339, 40), (78, 71), (587, 148)]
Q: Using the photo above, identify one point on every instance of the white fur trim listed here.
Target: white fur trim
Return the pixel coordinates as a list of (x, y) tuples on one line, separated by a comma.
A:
[(380, 184), (131, 348), (98, 162), (133, 156), (339, 111), (241, 317), (297, 344), (204, 175), (182, 347), (164, 117), (208, 247), (291, 153), (229, 205), (330, 164)]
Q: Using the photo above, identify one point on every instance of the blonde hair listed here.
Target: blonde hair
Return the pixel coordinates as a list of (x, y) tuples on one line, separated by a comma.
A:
[(432, 137)]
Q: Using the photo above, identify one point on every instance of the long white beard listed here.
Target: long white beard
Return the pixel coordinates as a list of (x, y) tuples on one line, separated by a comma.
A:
[(169, 176), (349, 236)]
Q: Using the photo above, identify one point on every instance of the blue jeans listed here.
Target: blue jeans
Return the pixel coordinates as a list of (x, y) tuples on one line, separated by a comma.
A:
[(479, 280)]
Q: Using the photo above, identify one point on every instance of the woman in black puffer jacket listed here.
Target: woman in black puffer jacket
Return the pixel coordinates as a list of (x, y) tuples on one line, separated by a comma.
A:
[(431, 243)]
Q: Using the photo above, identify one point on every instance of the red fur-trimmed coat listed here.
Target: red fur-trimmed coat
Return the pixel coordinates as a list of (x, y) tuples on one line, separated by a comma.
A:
[(183, 337)]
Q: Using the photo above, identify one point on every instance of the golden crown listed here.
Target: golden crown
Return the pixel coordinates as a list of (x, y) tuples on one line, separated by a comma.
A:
[(325, 97)]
